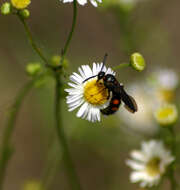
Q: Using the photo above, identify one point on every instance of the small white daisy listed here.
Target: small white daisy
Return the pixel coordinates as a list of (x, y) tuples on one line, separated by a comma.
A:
[(164, 82), (167, 79), (90, 96), (83, 2), (166, 114), (149, 163)]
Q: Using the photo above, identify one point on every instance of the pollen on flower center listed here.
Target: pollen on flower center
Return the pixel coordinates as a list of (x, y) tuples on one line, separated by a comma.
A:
[(153, 167), (95, 92)]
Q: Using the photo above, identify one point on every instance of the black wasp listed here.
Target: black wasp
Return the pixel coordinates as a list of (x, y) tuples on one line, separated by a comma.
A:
[(118, 93)]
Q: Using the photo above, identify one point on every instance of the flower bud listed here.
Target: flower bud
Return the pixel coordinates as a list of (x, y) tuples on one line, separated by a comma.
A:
[(166, 115), (137, 62), (33, 68), (56, 61), (20, 4), (24, 13), (6, 8)]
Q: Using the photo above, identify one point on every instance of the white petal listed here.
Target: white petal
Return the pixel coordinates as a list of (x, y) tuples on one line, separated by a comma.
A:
[(137, 176), (73, 107), (94, 69), (82, 73), (78, 78), (89, 114), (75, 103), (71, 99), (94, 3), (138, 155), (67, 1), (88, 71), (74, 85), (135, 165), (73, 91), (85, 113), (82, 110), (82, 2)]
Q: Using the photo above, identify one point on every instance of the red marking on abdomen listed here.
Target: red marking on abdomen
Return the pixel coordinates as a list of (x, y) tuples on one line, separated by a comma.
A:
[(116, 101), (114, 108)]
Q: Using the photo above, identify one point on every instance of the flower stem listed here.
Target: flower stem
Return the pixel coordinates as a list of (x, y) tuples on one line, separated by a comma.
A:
[(70, 170), (75, 185), (64, 51), (60, 132), (128, 39), (31, 40), (122, 65), (52, 165), (6, 148)]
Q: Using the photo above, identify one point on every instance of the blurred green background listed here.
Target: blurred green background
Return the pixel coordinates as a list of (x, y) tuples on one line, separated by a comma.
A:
[(98, 150)]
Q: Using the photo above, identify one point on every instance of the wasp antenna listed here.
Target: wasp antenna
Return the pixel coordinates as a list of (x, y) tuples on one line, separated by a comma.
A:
[(89, 78), (104, 61)]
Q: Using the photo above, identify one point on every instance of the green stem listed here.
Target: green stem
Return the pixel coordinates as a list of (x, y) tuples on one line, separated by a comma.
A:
[(126, 30), (31, 40), (6, 149), (64, 51), (52, 165), (70, 170), (173, 150), (122, 65)]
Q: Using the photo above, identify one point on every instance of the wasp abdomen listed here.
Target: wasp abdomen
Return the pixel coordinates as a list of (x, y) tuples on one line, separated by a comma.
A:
[(113, 106)]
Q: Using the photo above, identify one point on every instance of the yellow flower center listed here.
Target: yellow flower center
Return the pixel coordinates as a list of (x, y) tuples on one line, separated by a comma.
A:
[(20, 4), (166, 112), (166, 115), (166, 95), (153, 167), (95, 92)]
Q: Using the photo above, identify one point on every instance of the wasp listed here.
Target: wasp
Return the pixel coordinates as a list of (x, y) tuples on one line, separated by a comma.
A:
[(118, 93)]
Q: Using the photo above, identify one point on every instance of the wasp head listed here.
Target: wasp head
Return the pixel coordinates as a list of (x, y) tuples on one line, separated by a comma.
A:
[(101, 74)]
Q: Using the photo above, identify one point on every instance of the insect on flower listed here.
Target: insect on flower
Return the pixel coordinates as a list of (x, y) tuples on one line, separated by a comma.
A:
[(117, 91)]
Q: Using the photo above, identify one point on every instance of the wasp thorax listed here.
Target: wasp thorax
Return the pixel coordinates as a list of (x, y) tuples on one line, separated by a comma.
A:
[(95, 92)]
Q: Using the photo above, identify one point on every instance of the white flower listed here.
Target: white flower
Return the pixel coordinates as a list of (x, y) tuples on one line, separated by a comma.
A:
[(167, 79), (90, 96), (166, 114), (164, 83), (141, 121), (83, 2), (149, 163)]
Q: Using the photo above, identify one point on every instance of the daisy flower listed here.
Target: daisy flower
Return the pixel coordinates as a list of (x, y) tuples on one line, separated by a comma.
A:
[(166, 114), (83, 2), (167, 79), (164, 82), (88, 94), (149, 163)]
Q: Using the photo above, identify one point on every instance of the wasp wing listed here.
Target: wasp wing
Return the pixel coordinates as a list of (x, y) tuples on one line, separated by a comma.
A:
[(130, 103)]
